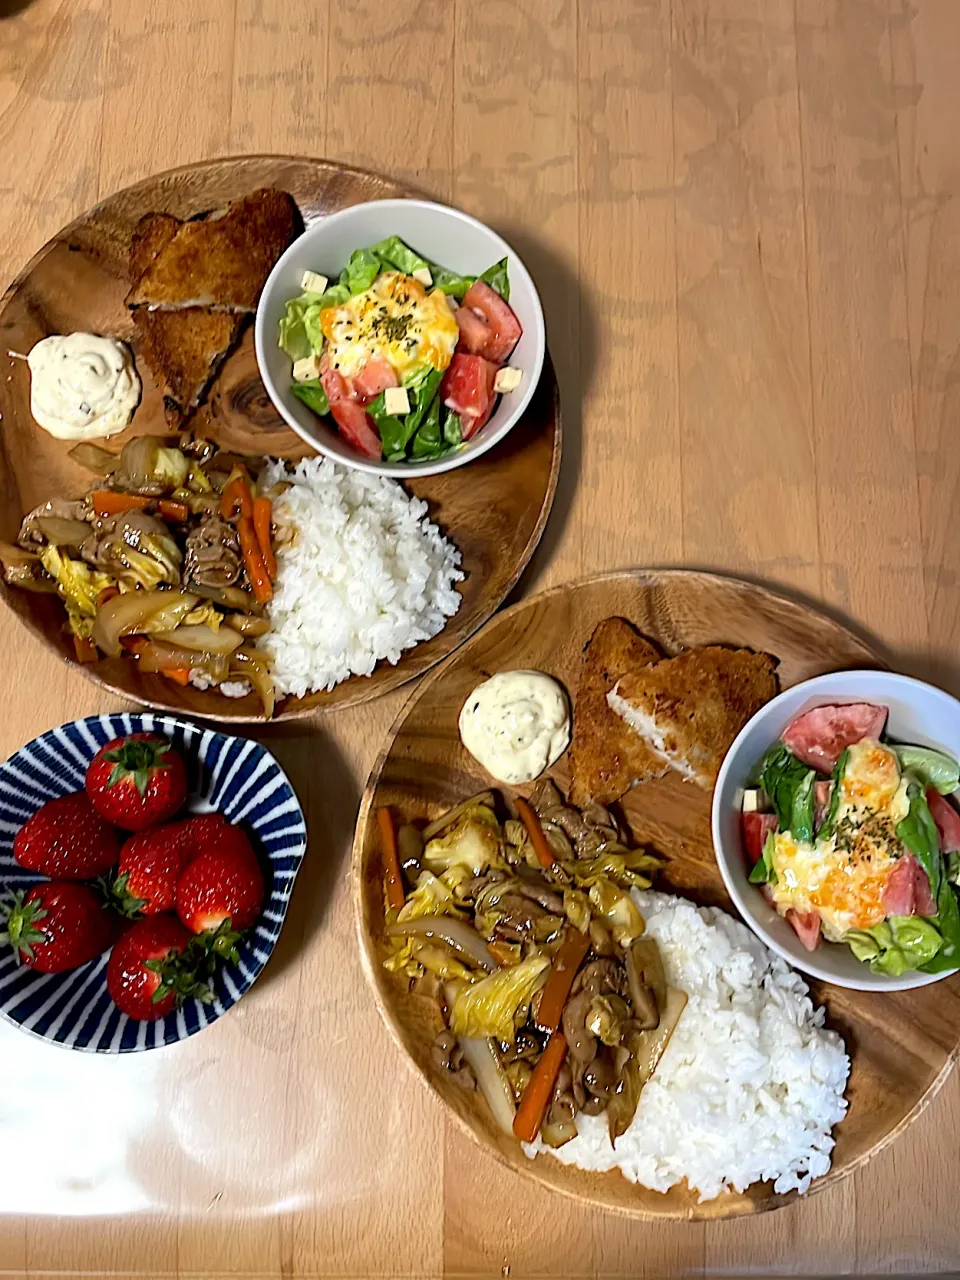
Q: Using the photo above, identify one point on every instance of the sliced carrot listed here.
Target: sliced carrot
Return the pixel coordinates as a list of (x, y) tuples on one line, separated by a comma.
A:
[(253, 561), (262, 516), (566, 962), (85, 649), (107, 503), (539, 1090), (177, 511), (528, 817), (236, 501), (179, 675), (106, 595), (391, 859)]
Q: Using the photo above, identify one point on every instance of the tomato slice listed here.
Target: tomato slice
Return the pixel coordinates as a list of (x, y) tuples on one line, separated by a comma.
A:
[(474, 331), (375, 376), (756, 828), (947, 819), (467, 388), (503, 327), (818, 737), (356, 427), (334, 384), (806, 925)]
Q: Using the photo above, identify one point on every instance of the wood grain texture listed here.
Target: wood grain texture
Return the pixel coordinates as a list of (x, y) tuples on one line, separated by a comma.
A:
[(901, 1044), (632, 150), (495, 510)]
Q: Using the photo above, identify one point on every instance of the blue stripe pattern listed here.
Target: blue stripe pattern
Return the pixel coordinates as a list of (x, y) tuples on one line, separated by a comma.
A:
[(239, 778)]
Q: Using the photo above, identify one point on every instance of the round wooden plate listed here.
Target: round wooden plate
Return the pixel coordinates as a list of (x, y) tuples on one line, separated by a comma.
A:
[(901, 1045), (495, 509)]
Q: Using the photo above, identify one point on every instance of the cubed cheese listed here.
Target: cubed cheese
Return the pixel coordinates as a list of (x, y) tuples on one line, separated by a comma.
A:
[(423, 275), (307, 369), (755, 800), (507, 379), (312, 282), (396, 401)]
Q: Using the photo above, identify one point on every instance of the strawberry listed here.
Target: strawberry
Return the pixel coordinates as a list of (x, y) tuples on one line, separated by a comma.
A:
[(153, 969), (137, 782), (58, 925), (66, 839), (151, 863), (221, 891)]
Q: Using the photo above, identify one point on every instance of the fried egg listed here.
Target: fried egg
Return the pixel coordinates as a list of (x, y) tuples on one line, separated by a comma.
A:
[(395, 320), (843, 878)]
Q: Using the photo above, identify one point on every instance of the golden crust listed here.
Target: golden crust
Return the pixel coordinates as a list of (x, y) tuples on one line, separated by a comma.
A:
[(697, 703), (219, 261), (606, 757)]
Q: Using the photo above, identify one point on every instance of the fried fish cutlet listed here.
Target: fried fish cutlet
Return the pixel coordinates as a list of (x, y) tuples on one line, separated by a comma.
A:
[(606, 757), (687, 710), (221, 261), (184, 349)]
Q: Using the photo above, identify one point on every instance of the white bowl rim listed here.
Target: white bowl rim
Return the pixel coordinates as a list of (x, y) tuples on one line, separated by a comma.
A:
[(401, 470), (831, 682)]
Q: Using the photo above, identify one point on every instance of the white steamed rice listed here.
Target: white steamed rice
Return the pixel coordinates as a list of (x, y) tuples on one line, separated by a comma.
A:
[(749, 1086), (362, 574)]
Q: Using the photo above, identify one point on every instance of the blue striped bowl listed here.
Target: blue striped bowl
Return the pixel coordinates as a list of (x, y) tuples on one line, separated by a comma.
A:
[(239, 778)]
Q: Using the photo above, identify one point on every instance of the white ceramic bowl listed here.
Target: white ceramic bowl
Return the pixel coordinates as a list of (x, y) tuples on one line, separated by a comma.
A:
[(441, 234), (919, 714)]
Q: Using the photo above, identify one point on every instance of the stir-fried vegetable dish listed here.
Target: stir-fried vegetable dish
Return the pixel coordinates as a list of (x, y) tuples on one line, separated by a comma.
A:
[(553, 1002), (168, 559)]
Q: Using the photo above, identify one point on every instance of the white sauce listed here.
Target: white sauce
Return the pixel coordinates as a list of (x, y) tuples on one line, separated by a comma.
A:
[(516, 724), (83, 387)]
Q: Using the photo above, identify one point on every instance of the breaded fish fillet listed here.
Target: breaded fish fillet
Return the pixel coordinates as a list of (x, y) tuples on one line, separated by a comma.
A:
[(687, 710), (606, 756), (220, 261), (184, 349)]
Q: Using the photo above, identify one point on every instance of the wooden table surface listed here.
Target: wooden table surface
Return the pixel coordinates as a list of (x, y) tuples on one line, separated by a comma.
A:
[(743, 219)]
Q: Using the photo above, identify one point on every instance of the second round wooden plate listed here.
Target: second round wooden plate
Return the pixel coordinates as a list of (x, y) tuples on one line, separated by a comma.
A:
[(494, 509), (901, 1045)]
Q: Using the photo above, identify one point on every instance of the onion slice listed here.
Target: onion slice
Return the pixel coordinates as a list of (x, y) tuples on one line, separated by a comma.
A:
[(456, 933), (491, 1080), (132, 611), (446, 819), (202, 638)]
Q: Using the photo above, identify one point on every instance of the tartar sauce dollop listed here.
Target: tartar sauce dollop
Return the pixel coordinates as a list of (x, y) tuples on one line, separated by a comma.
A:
[(516, 724), (82, 386)]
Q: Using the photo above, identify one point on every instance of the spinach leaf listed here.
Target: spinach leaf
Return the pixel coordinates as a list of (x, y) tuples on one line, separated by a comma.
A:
[(918, 833), (933, 768), (789, 784), (313, 396), (390, 427), (428, 442), (947, 921), (395, 253), (395, 432), (764, 871), (452, 430), (450, 282), (826, 827), (361, 271), (498, 278)]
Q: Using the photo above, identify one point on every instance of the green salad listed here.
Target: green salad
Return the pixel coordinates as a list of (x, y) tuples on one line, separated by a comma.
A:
[(406, 355)]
